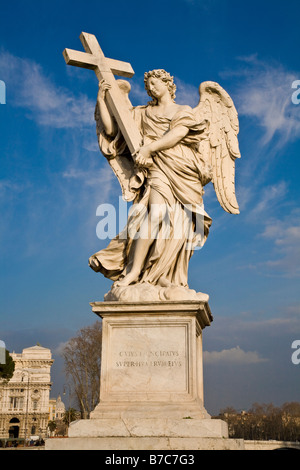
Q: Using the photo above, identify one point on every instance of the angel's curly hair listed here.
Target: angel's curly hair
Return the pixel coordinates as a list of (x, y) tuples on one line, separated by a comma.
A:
[(163, 76)]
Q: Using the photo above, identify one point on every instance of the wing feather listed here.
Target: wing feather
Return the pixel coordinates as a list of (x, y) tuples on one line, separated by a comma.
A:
[(218, 109)]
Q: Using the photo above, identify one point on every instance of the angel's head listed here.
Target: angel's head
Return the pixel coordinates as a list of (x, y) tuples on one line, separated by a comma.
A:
[(157, 77)]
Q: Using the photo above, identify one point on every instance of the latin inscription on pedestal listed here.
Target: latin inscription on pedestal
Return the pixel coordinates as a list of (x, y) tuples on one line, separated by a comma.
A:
[(147, 358)]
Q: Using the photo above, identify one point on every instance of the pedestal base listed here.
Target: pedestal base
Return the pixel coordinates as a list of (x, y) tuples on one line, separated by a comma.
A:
[(152, 359), (144, 443), (142, 428), (151, 394)]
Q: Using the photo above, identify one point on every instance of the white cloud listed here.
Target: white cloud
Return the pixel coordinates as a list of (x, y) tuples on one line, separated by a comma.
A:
[(285, 236), (234, 355), (60, 348), (29, 87), (94, 184), (265, 93), (269, 199), (11, 186), (98, 178)]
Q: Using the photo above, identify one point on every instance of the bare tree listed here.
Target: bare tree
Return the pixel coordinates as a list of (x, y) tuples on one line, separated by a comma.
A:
[(82, 356), (265, 421)]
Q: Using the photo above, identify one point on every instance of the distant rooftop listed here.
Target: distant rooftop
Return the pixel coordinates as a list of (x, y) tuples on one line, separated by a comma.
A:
[(33, 352)]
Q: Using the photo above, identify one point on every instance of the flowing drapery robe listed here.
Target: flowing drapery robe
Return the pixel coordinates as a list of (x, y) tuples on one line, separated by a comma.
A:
[(178, 174)]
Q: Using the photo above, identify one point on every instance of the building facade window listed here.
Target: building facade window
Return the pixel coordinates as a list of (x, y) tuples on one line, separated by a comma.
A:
[(26, 394), (16, 403)]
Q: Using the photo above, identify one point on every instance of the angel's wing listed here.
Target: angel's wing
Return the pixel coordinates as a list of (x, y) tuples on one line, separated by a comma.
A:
[(117, 153), (221, 148)]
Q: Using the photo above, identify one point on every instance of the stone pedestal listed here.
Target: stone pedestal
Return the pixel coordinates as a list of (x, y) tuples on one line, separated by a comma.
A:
[(151, 394)]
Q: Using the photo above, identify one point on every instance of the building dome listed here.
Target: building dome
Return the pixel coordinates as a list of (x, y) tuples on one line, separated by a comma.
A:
[(60, 407)]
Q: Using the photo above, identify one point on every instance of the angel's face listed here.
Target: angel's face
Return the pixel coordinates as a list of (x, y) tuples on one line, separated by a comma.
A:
[(156, 87)]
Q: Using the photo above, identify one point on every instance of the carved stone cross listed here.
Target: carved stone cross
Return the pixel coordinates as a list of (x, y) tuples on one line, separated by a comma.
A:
[(105, 68)]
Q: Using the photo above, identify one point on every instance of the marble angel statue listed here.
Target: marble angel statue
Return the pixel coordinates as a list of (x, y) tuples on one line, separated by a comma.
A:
[(182, 150)]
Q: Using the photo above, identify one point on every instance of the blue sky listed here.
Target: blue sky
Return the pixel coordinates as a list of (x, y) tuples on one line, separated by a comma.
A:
[(53, 177)]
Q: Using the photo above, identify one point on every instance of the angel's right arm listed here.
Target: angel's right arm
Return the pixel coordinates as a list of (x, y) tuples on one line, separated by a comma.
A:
[(110, 125)]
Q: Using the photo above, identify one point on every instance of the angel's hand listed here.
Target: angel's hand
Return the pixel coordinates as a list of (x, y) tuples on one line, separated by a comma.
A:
[(143, 157), (103, 87)]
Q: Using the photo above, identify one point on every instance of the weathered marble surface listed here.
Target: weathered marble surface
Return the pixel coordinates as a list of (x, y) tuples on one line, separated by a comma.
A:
[(152, 357), (151, 293), (151, 394), (163, 155), (145, 443)]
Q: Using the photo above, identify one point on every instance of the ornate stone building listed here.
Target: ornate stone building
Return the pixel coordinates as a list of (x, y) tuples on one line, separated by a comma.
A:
[(24, 399), (56, 409)]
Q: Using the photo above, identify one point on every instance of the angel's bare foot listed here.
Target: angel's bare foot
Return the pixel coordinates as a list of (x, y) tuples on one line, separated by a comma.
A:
[(128, 279)]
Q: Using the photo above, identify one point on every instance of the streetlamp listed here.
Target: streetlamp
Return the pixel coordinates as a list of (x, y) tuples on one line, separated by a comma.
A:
[(69, 410), (27, 403)]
